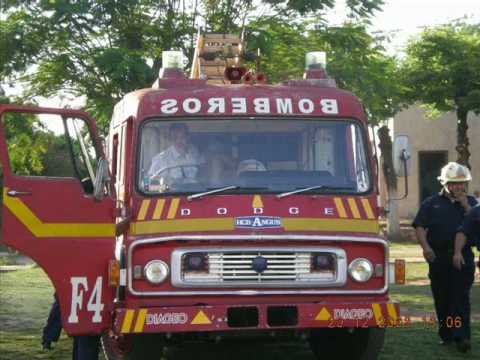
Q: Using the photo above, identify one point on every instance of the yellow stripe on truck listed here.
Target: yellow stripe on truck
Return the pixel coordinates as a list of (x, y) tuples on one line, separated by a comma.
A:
[(354, 208), (340, 208), (41, 229), (143, 210), (392, 313), (127, 321), (142, 315), (182, 225), (158, 209), (228, 224), (172, 211), (347, 225), (368, 208), (377, 312)]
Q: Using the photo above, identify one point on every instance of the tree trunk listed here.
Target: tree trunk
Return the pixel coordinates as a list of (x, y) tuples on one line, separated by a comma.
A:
[(393, 219), (386, 147), (463, 153)]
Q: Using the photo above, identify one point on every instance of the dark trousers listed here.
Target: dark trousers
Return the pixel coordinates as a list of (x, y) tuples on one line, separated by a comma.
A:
[(53, 327), (451, 295), (85, 347)]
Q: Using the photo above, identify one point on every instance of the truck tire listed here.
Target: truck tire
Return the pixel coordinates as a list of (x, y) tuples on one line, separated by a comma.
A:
[(136, 347), (358, 344)]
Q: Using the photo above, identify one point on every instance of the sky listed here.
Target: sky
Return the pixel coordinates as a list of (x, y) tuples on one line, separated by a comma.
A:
[(406, 18)]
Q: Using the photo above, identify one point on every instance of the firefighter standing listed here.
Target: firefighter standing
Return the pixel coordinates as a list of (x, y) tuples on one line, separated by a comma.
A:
[(468, 235), (436, 225)]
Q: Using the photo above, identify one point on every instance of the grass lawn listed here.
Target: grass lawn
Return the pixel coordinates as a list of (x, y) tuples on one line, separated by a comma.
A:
[(26, 296)]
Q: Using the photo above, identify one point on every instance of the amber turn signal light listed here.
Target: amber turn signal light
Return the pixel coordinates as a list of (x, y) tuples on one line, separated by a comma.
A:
[(113, 273)]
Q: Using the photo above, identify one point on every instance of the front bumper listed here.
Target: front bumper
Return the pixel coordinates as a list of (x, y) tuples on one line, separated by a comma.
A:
[(255, 317)]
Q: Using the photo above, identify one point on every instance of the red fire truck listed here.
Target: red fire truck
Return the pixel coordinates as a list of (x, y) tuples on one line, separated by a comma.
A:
[(217, 209)]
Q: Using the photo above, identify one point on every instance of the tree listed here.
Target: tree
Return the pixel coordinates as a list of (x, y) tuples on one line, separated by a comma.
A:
[(442, 71), (103, 49)]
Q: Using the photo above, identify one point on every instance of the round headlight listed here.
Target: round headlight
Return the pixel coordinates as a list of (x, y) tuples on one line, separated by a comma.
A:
[(360, 270), (156, 271)]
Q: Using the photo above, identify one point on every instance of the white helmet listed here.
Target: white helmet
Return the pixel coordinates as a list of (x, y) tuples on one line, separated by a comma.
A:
[(454, 172), (250, 165)]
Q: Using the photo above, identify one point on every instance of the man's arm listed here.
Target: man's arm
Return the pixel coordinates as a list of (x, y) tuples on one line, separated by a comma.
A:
[(428, 252), (460, 241)]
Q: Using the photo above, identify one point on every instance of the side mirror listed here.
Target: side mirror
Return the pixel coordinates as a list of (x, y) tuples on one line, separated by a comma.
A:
[(401, 155), (102, 178)]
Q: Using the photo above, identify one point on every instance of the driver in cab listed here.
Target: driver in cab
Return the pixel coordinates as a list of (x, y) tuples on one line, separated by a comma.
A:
[(181, 160)]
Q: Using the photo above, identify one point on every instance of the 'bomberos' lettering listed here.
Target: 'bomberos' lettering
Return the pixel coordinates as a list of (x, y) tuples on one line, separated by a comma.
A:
[(243, 105)]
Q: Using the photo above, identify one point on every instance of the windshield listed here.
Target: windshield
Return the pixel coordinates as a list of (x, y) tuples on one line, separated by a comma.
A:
[(252, 155)]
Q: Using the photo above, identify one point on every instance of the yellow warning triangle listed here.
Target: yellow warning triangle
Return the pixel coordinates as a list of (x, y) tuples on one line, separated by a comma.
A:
[(200, 319), (257, 201), (323, 315)]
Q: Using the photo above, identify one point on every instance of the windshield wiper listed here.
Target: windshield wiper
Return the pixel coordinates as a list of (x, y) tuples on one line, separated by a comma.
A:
[(213, 191), (298, 191)]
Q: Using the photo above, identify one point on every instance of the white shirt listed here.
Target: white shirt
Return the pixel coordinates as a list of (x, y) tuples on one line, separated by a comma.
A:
[(171, 158)]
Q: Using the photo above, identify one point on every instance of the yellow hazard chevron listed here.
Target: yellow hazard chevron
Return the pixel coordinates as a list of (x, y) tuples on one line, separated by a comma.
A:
[(143, 210), (142, 315), (201, 319), (378, 314), (127, 321), (392, 313), (172, 211), (354, 206)]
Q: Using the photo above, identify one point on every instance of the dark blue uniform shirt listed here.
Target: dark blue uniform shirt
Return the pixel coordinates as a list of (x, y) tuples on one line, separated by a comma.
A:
[(442, 217), (471, 227)]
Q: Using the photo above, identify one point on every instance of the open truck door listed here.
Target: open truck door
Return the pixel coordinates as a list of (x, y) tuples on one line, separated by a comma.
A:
[(57, 207)]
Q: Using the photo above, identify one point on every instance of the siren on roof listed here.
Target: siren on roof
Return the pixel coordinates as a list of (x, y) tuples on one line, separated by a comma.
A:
[(173, 62), (315, 60), (315, 65)]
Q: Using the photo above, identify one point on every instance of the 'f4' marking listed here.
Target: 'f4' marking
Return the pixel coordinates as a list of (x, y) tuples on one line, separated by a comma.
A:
[(95, 305)]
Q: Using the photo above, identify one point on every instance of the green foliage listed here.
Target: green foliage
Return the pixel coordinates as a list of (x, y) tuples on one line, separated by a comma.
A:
[(26, 147), (442, 71), (355, 59), (442, 68), (103, 49)]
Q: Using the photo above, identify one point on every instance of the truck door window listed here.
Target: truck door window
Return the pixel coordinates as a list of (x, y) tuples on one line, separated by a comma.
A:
[(50, 146)]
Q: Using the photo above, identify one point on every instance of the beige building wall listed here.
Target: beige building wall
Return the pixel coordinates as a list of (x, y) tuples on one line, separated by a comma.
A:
[(433, 135)]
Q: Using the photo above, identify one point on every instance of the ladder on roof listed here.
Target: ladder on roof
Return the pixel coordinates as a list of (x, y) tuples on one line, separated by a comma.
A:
[(214, 54)]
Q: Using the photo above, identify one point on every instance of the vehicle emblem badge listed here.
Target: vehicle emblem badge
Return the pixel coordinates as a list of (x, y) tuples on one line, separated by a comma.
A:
[(259, 264)]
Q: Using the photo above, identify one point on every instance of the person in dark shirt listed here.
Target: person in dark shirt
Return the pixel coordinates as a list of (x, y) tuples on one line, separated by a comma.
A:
[(436, 225), (468, 235)]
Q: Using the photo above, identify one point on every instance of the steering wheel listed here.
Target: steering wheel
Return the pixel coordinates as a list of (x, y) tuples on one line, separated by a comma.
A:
[(183, 168)]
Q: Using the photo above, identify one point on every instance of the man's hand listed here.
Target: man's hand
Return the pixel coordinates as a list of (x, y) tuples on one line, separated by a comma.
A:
[(429, 254), (462, 198), (458, 261)]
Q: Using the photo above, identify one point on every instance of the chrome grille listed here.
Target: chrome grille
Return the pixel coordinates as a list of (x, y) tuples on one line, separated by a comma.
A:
[(238, 266), (286, 267)]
